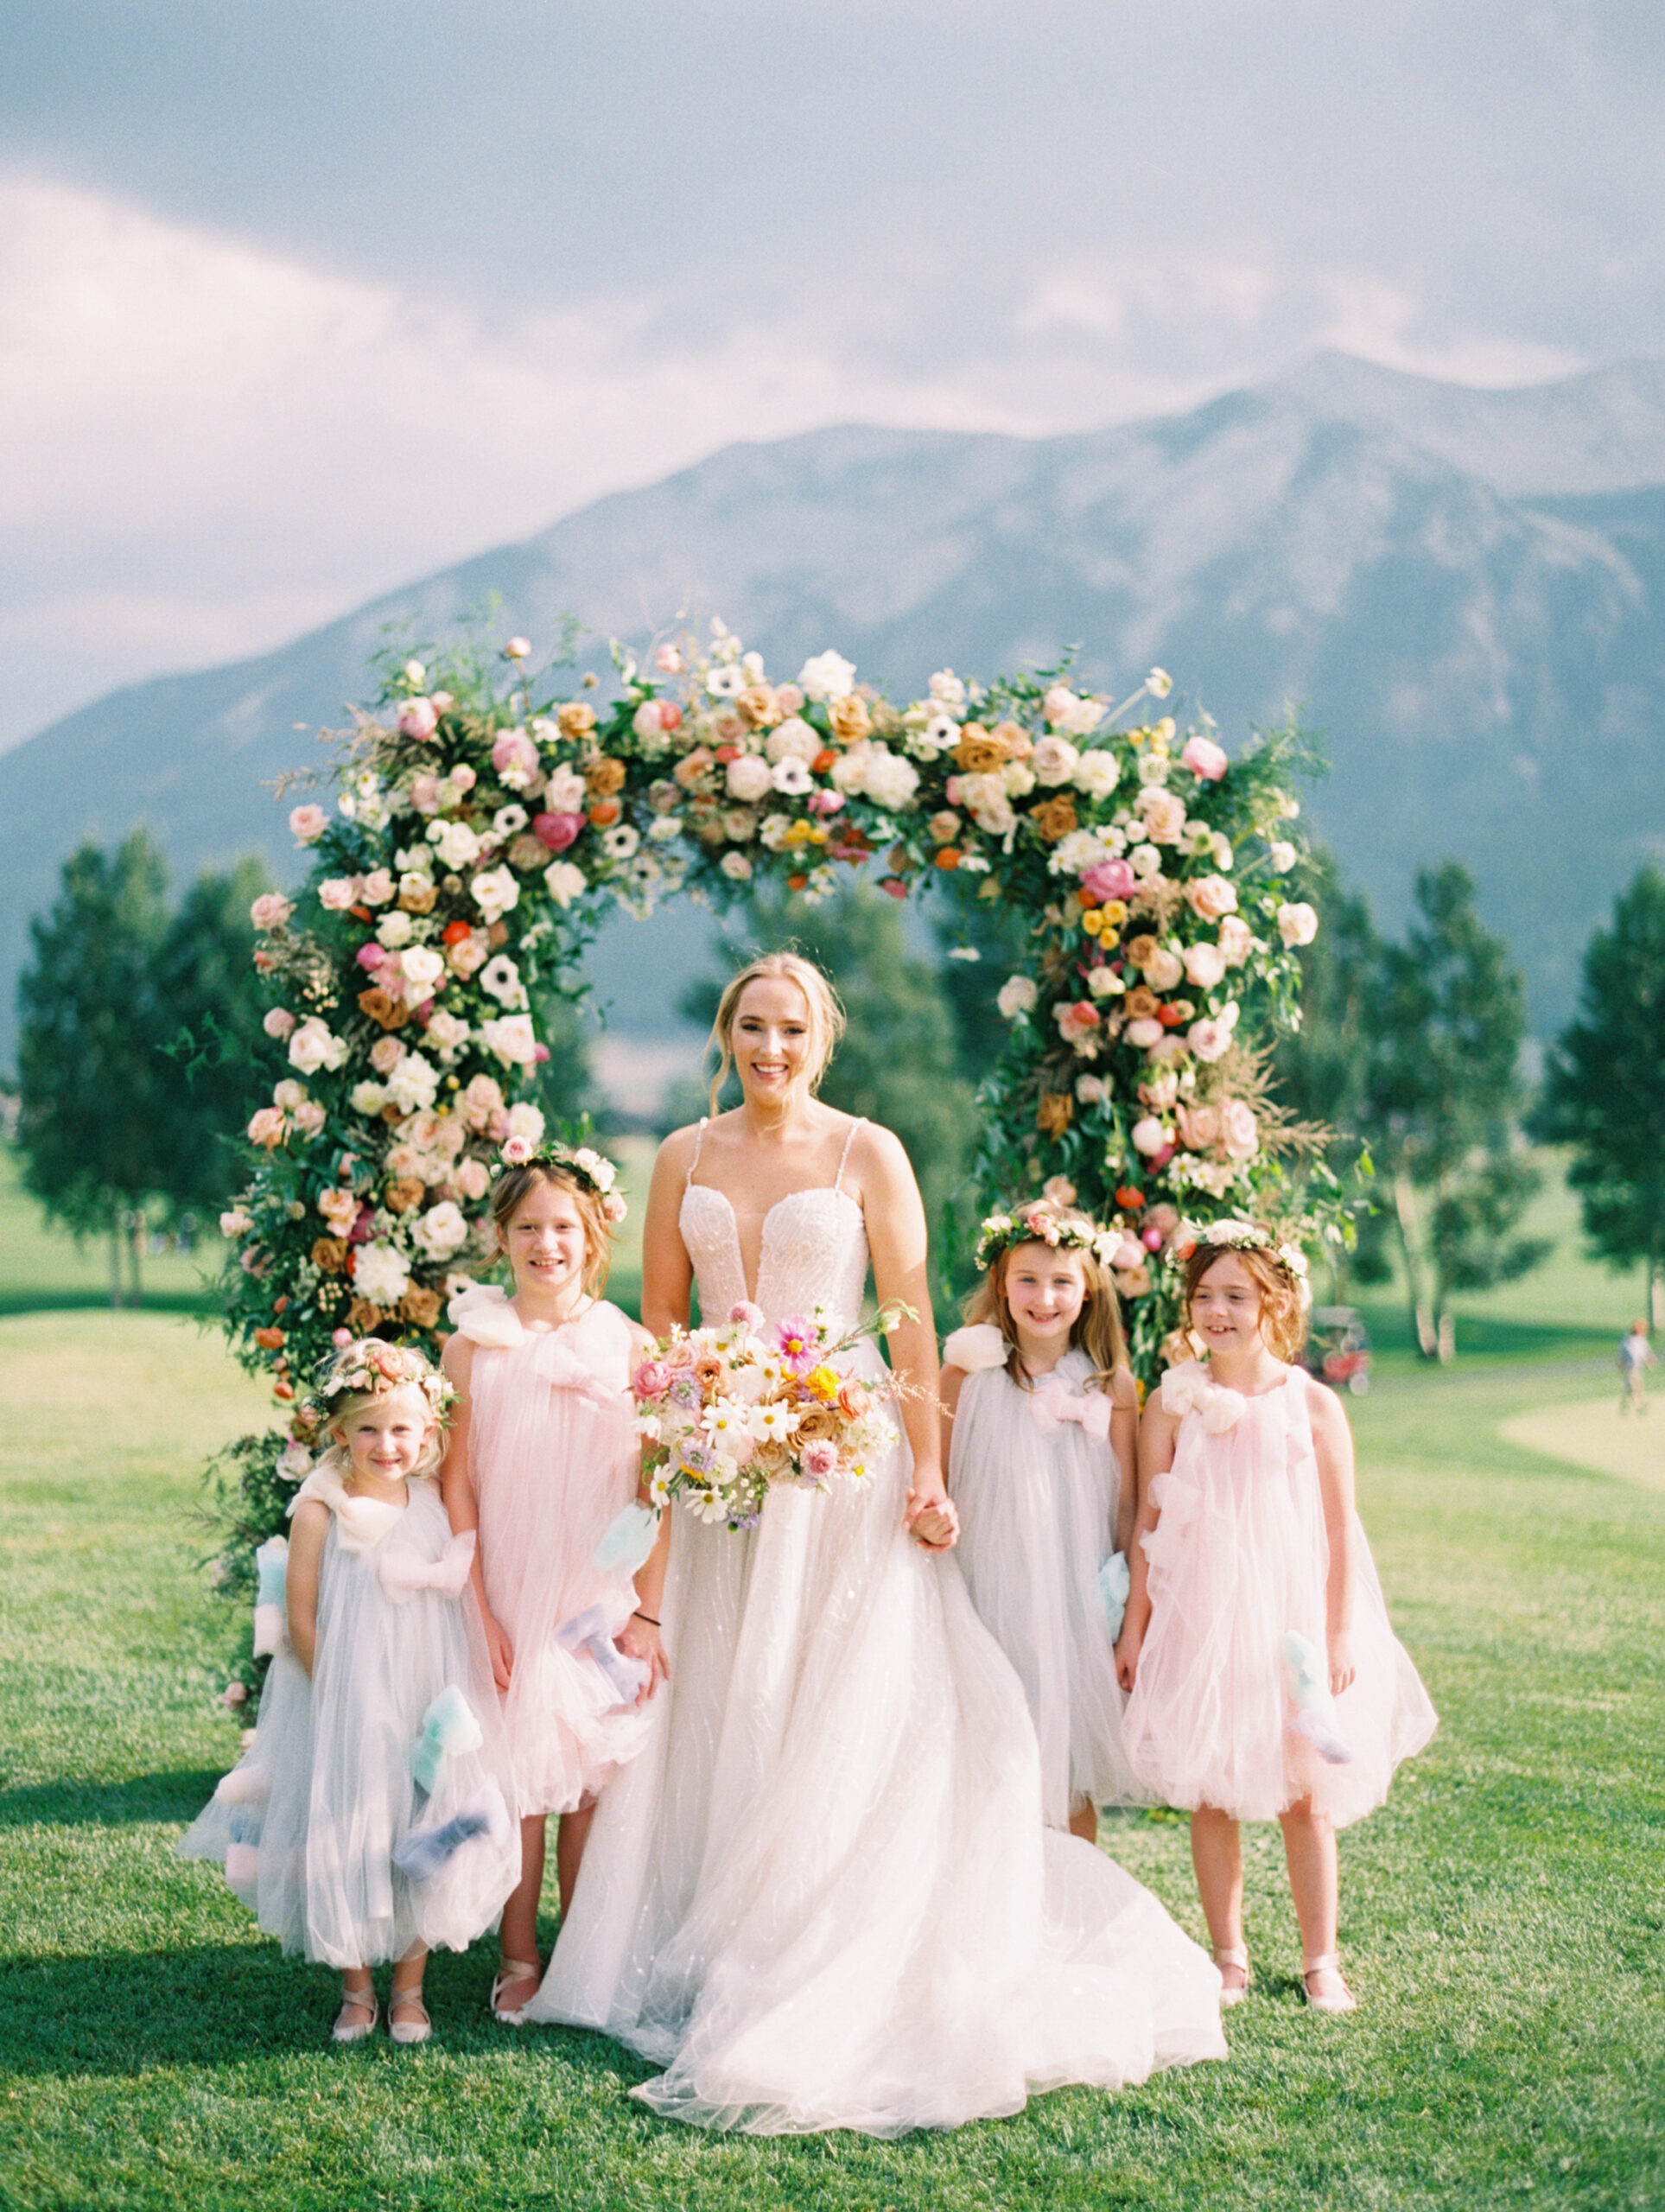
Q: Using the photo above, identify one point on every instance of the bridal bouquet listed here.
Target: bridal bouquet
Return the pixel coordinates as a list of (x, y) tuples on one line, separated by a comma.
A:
[(726, 1412)]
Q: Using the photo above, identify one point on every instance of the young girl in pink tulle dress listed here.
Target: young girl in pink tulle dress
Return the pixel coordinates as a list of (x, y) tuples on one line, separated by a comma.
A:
[(543, 1458), (1266, 1681), (1046, 1420)]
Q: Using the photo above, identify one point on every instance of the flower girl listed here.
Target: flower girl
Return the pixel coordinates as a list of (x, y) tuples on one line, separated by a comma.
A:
[(1266, 1681), (1041, 1475), (368, 1820), (543, 1458)]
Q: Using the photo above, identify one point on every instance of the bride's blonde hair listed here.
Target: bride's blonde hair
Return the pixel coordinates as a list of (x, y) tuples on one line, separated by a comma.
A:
[(826, 1015)]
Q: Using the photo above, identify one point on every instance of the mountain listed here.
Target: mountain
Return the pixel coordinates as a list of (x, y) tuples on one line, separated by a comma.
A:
[(1461, 590)]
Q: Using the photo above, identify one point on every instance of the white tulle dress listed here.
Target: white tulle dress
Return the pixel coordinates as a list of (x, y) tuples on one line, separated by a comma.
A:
[(1237, 1561), (552, 1455), (1035, 1478), (824, 1897), (308, 1821)]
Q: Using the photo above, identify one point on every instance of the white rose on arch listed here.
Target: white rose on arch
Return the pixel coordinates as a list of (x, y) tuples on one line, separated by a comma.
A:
[(1017, 994), (381, 1274), (829, 676), (512, 1038), (441, 1230), (414, 1084), (792, 739), (495, 891), (748, 777), (1297, 925), (563, 881), (314, 1046)]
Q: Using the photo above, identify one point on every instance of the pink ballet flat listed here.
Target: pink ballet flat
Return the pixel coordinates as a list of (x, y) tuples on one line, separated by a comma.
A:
[(408, 2030), (1340, 1999), (509, 1972), (346, 2031), (1233, 1959)]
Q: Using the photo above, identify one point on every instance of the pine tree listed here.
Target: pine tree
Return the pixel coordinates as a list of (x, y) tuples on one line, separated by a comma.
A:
[(1605, 1088)]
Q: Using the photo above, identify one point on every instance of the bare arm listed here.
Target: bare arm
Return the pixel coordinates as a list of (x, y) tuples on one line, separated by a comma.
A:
[(896, 1237), (1157, 1435), (306, 1534), (667, 1271), (1124, 1439), (1332, 1444), (462, 1507), (640, 1635)]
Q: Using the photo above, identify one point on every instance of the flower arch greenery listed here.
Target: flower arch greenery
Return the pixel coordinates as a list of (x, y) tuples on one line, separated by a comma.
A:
[(482, 824)]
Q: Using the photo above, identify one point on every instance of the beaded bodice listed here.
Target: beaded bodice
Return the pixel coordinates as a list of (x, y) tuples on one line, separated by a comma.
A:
[(814, 1253)]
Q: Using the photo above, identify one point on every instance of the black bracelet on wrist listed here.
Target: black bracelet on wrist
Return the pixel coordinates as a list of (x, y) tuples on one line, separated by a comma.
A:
[(638, 1615)]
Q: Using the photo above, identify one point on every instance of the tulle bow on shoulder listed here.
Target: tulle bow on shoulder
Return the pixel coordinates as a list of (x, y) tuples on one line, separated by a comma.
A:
[(360, 1523), (483, 1315), (980, 1345), (1188, 1388)]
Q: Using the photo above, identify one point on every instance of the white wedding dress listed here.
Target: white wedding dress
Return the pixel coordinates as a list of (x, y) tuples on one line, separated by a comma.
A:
[(822, 1896)]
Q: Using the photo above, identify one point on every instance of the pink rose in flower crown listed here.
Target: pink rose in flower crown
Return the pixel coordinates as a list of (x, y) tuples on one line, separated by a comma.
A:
[(1110, 879), (798, 1343), (1204, 758), (270, 911), (1211, 898), (308, 823), (517, 1150)]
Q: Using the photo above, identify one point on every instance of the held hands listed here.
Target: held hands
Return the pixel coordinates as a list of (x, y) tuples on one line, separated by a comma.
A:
[(930, 1519), (1342, 1668), (639, 1639)]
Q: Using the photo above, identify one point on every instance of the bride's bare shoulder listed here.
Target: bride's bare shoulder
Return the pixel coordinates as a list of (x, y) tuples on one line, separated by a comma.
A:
[(877, 1159)]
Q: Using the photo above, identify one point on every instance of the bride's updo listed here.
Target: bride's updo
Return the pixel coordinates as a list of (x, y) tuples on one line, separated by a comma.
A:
[(826, 1015)]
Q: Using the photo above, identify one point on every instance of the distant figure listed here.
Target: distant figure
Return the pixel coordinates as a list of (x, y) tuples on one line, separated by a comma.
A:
[(1636, 1356)]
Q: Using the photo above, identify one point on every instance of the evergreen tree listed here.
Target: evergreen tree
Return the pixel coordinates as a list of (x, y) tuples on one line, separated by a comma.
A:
[(1442, 1104), (92, 1083), (1604, 1090)]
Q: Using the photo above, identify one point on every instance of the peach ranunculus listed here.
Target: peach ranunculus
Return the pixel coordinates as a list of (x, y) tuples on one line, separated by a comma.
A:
[(1163, 814), (1212, 898), (1200, 1128)]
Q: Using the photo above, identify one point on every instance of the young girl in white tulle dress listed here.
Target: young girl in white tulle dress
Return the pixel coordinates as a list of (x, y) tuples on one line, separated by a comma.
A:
[(543, 1458), (1041, 1466), (368, 1820), (1266, 1681)]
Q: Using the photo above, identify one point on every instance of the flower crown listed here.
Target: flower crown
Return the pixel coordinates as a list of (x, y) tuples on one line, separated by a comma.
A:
[(1230, 1234), (1039, 1225), (592, 1169), (371, 1368)]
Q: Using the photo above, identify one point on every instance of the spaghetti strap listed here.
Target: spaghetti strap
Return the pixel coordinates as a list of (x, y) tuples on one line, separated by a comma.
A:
[(693, 1163), (838, 1180)]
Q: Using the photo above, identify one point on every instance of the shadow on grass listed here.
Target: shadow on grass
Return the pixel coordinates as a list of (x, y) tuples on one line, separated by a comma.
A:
[(217, 2004), (177, 1796), (81, 1301)]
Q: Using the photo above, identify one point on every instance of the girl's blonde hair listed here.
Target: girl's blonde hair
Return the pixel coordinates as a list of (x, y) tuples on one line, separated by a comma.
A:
[(516, 1185), (1283, 1310), (1096, 1329), (826, 1015)]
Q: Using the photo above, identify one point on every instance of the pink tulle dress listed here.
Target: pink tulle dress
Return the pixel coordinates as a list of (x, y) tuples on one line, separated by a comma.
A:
[(1239, 1559), (552, 1455)]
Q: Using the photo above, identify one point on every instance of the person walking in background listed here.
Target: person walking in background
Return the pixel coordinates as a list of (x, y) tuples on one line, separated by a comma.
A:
[(1636, 1356)]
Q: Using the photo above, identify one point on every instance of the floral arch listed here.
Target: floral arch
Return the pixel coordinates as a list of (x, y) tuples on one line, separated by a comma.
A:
[(482, 822)]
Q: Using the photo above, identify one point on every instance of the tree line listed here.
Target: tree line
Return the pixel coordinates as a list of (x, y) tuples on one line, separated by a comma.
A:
[(141, 1055)]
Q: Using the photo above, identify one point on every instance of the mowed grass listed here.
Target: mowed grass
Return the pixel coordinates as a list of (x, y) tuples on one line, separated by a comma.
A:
[(1502, 1916)]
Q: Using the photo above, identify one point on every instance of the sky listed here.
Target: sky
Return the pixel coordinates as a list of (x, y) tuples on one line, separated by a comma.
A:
[(299, 303)]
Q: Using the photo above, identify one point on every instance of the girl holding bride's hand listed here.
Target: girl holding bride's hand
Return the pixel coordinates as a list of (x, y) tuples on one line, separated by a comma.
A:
[(823, 1897)]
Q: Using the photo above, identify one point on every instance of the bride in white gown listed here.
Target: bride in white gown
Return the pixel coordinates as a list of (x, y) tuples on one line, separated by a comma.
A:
[(823, 1896)]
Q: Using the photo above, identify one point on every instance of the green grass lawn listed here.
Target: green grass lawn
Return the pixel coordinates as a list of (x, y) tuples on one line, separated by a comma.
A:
[(1502, 1916)]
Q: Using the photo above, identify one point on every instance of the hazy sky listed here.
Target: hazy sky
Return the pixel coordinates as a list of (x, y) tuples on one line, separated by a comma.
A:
[(298, 303)]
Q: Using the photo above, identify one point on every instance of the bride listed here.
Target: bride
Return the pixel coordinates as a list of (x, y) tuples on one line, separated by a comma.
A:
[(823, 1897)]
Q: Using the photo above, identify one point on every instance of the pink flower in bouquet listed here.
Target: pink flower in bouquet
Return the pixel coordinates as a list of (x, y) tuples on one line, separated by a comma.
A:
[(819, 1459), (1204, 758), (855, 1399), (744, 1315), (651, 1379), (557, 831), (279, 1022), (418, 718), (798, 1343), (308, 823), (1110, 879), (270, 911)]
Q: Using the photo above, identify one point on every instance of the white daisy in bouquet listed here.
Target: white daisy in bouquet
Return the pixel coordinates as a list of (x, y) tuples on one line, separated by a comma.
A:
[(726, 1412)]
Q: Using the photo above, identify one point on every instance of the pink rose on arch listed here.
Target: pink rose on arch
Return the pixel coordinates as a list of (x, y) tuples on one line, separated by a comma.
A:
[(1148, 1136), (557, 831), (279, 1022), (1237, 940), (1200, 1128), (798, 1343), (267, 1127), (515, 758), (1110, 879), (425, 794), (667, 660), (308, 823), (1212, 898), (1204, 758), (270, 911), (1205, 964), (1129, 1254), (1238, 1131), (472, 1180), (371, 956), (386, 1054), (1297, 925), (1208, 1039), (337, 893), (1152, 1240), (376, 888), (418, 718)]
